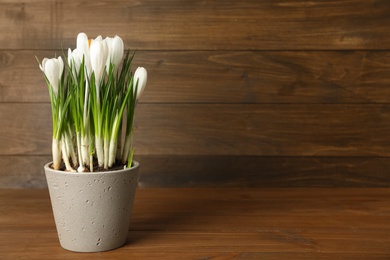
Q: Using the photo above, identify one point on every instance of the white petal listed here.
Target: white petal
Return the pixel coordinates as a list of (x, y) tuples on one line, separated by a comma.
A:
[(52, 73), (82, 41), (117, 51), (141, 77), (70, 57), (99, 38), (77, 58), (61, 67), (84, 48), (109, 40), (98, 52), (42, 65)]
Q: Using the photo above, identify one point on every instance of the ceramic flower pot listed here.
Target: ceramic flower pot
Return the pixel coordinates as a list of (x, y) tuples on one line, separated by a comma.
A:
[(92, 210)]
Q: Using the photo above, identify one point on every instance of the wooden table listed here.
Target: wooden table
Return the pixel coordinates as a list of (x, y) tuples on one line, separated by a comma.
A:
[(198, 223)]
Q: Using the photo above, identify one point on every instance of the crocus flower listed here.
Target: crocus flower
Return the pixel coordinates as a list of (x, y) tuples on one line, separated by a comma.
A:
[(99, 54), (53, 69), (75, 58), (141, 77), (82, 45), (115, 51)]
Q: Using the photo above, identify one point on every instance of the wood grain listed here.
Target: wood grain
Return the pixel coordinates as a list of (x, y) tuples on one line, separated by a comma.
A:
[(229, 77), (188, 25), (295, 92), (23, 171), (223, 171), (271, 130), (256, 171), (217, 223), (220, 129)]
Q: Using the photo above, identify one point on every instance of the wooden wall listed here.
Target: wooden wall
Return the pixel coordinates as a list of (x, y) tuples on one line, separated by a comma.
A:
[(240, 93)]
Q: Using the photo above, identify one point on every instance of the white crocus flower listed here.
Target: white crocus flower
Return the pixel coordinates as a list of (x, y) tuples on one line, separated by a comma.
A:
[(82, 45), (99, 54), (141, 77), (115, 51), (75, 58), (53, 69)]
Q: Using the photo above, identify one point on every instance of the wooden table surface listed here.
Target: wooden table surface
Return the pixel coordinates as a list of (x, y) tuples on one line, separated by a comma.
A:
[(198, 223)]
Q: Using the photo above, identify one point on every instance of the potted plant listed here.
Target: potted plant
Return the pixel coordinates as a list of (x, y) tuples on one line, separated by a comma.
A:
[(93, 177)]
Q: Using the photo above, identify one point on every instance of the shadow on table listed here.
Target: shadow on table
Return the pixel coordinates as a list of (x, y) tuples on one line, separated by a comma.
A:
[(188, 212)]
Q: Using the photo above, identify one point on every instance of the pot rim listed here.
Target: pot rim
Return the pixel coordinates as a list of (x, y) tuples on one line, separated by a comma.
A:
[(135, 166)]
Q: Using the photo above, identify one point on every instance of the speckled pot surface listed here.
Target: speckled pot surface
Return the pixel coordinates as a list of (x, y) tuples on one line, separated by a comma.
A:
[(92, 210)]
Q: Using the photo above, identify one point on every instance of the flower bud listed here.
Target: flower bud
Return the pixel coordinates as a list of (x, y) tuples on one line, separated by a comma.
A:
[(53, 69), (140, 77)]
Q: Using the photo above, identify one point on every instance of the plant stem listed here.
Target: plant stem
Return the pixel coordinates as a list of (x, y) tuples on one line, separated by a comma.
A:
[(112, 152), (119, 144), (106, 153), (127, 147), (85, 148), (78, 141), (65, 155), (56, 152), (81, 167), (91, 150), (130, 160), (70, 147), (99, 150)]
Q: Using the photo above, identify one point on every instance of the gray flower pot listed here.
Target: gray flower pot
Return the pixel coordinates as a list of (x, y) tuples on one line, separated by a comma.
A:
[(92, 210)]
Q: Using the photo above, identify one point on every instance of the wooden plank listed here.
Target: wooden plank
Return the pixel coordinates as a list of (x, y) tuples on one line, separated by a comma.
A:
[(228, 77), (225, 223), (21, 80), (223, 129), (267, 130), (267, 76), (23, 171), (147, 244), (25, 129), (188, 25), (223, 171), (255, 171)]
